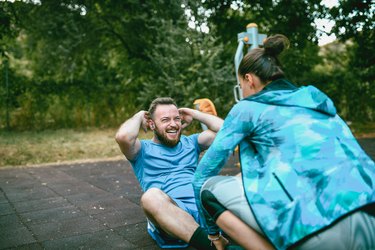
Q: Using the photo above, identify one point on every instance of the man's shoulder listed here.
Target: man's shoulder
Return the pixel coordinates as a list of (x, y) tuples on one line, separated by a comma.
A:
[(145, 141), (189, 138)]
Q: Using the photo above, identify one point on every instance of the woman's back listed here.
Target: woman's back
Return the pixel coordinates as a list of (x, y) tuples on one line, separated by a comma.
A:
[(302, 168)]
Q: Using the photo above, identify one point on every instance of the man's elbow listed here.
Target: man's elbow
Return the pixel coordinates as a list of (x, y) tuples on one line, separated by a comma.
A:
[(121, 138), (126, 144), (219, 124), (216, 127)]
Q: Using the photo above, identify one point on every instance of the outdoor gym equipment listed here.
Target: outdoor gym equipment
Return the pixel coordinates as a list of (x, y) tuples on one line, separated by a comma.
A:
[(253, 40)]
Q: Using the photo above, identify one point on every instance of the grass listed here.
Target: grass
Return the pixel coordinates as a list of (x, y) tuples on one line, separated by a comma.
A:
[(66, 145), (56, 146)]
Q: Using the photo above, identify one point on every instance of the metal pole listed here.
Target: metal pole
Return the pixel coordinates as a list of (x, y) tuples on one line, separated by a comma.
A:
[(251, 38)]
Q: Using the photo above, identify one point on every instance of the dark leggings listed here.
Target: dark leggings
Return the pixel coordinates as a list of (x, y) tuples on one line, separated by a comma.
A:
[(212, 205)]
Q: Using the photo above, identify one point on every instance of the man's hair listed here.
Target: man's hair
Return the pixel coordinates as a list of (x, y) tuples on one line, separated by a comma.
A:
[(160, 101)]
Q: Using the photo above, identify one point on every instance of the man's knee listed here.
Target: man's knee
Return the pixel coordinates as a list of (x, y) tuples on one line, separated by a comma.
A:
[(153, 199)]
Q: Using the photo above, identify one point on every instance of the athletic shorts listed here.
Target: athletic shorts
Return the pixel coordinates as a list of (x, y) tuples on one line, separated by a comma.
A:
[(163, 240), (355, 231)]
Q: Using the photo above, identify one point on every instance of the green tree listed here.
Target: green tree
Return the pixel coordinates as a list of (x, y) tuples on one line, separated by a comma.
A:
[(291, 18), (187, 65), (355, 22), (85, 62), (94, 63)]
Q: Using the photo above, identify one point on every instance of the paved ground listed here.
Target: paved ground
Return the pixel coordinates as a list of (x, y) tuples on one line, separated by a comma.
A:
[(78, 206)]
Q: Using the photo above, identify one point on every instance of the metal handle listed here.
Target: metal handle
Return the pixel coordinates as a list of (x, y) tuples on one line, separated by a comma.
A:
[(252, 38)]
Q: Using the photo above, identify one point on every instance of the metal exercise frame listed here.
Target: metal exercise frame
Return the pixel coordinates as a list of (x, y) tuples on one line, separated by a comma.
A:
[(251, 38)]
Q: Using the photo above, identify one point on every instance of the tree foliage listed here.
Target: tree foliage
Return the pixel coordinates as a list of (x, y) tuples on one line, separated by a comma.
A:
[(355, 23), (74, 63), (187, 65), (291, 18)]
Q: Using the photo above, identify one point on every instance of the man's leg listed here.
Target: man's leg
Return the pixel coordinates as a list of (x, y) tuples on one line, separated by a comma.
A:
[(163, 212)]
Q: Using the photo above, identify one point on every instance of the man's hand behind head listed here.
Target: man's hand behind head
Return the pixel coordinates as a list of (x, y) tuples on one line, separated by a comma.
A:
[(186, 115)]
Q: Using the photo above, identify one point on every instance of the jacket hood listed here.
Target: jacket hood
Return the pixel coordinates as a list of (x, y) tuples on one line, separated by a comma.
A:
[(283, 93)]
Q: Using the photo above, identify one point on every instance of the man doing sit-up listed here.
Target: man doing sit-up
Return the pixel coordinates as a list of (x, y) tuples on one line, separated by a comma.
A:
[(165, 167)]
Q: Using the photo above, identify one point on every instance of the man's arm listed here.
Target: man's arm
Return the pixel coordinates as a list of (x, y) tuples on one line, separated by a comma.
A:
[(212, 122), (127, 135)]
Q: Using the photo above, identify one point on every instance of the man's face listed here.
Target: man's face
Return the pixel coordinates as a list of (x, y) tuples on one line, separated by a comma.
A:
[(167, 122)]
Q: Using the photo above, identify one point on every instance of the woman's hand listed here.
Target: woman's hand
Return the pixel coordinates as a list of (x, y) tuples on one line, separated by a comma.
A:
[(219, 241)]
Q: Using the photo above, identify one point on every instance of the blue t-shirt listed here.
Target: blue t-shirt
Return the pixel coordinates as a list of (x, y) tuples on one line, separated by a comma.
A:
[(170, 169)]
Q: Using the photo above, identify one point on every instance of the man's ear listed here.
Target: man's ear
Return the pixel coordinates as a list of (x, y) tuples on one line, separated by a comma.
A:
[(151, 124)]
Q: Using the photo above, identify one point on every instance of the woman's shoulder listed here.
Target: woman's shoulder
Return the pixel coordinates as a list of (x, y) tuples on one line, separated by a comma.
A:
[(246, 106)]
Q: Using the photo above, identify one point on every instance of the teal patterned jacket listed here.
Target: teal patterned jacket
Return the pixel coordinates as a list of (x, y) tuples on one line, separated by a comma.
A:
[(302, 168)]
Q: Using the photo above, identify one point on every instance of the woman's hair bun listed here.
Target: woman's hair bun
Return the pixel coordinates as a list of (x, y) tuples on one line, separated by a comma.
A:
[(274, 45)]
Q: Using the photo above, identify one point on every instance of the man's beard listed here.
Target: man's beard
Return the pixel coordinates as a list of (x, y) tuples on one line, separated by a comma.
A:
[(164, 140)]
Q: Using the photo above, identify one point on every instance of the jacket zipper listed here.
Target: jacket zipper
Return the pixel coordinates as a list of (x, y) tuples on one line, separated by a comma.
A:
[(282, 186)]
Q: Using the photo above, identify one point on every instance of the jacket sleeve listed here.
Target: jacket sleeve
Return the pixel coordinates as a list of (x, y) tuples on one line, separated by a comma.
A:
[(236, 127)]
